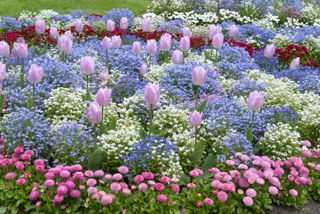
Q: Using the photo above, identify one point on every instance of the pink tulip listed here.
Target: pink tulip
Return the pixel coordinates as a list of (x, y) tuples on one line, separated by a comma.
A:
[(144, 69), (103, 96), (195, 119), (3, 72), (104, 77), (186, 32), (217, 40), (124, 24), (65, 44), (20, 50), (79, 26), (40, 26), (233, 31), (152, 46), (106, 43), (136, 47), (295, 64), (69, 34), (199, 75), (87, 65), (184, 43), (177, 57), (165, 42), (146, 24), (110, 25), (269, 51), (152, 95), (4, 49), (116, 41), (53, 32), (213, 30), (94, 114), (255, 100), (35, 74)]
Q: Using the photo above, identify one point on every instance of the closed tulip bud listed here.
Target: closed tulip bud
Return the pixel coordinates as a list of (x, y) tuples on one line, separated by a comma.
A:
[(233, 31), (136, 47), (214, 30), (217, 41), (116, 41), (255, 100), (40, 26), (104, 77), (295, 64), (3, 72), (65, 44), (152, 46), (184, 43), (4, 49), (106, 43), (94, 114), (199, 75), (146, 24), (87, 65), (20, 50), (103, 96), (177, 57), (144, 69), (269, 51), (165, 42), (186, 32), (69, 34), (195, 119), (152, 95), (53, 32), (35, 74), (124, 23), (79, 26), (110, 25)]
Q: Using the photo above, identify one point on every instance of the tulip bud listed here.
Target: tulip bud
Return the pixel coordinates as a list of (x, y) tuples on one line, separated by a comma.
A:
[(104, 77), (152, 46), (79, 26), (106, 43), (110, 25), (143, 69), (4, 49), (20, 50), (233, 31), (65, 44), (146, 24), (295, 63), (116, 41), (3, 72), (186, 32), (53, 32), (199, 75), (40, 26), (35, 74), (177, 57), (152, 95), (217, 41), (69, 34), (269, 51), (165, 42), (94, 114), (103, 96), (213, 30), (124, 24), (195, 119), (87, 65), (136, 47), (184, 43), (255, 100)]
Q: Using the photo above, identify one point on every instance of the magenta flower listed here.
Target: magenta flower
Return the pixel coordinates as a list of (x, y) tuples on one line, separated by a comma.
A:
[(123, 169), (115, 187), (222, 196), (144, 69), (106, 199), (247, 201), (162, 198), (34, 195)]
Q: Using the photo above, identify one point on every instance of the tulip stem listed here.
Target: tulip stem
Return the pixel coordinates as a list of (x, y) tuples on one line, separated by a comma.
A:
[(195, 138), (151, 120), (252, 121), (88, 93), (22, 74), (33, 92), (107, 59)]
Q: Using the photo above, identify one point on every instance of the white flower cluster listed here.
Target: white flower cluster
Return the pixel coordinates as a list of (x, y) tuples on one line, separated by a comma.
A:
[(310, 14), (269, 22), (280, 141), (65, 104), (280, 41), (293, 23), (310, 111), (156, 21), (155, 73)]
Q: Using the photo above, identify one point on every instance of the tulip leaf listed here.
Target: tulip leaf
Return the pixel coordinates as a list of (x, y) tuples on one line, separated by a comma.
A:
[(249, 135), (201, 106), (197, 154), (2, 102), (209, 162), (96, 159)]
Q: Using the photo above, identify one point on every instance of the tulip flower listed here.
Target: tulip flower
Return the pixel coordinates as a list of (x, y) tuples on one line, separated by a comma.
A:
[(217, 40), (65, 45), (87, 65), (110, 25), (79, 26), (152, 98), (146, 24), (199, 75), (40, 26), (116, 41), (20, 49), (255, 102), (104, 77), (214, 30), (106, 44), (4, 49), (124, 24), (195, 119), (295, 64), (94, 114), (152, 46), (233, 31), (177, 57), (69, 34), (184, 43), (103, 98), (35, 75), (136, 47), (144, 69), (165, 42), (186, 32), (3, 72), (53, 32), (269, 51)]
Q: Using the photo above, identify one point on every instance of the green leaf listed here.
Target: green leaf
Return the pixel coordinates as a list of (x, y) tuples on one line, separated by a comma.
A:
[(2, 102), (201, 106), (112, 124), (197, 154), (209, 162), (96, 159), (143, 133), (3, 210), (249, 135), (184, 179)]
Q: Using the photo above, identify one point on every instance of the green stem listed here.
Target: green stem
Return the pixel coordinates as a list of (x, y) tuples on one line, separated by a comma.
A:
[(195, 138), (22, 74), (151, 119), (33, 92), (88, 93), (107, 59), (252, 121)]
